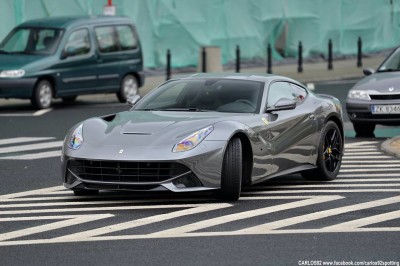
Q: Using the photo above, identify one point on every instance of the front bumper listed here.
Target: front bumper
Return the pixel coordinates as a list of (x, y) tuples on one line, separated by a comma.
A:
[(199, 171), (360, 112), (17, 87)]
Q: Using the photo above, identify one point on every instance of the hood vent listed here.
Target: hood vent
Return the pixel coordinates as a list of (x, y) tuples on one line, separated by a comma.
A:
[(109, 118)]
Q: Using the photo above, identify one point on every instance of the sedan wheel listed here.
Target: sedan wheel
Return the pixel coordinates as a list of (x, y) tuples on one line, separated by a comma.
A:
[(42, 95), (330, 152), (129, 88), (231, 179)]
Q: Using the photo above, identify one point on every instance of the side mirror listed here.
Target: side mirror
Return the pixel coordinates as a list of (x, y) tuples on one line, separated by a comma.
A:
[(281, 105), (368, 71), (133, 100), (69, 51)]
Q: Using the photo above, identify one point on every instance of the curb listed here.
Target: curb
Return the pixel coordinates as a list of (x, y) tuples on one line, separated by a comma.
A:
[(392, 146)]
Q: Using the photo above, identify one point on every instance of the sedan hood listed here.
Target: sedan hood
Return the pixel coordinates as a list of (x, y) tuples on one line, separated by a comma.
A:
[(147, 128), (380, 83)]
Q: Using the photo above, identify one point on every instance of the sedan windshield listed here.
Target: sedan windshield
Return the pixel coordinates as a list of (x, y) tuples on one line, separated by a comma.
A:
[(392, 63), (211, 94), (31, 41)]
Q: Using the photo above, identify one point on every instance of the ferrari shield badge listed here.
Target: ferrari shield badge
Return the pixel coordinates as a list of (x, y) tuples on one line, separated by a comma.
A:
[(121, 151)]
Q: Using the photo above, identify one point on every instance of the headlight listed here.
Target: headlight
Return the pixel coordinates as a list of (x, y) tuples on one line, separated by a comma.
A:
[(193, 140), (358, 94), (76, 139), (12, 73)]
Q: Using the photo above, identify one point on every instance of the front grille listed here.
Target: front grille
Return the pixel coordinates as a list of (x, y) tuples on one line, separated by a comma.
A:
[(384, 96), (126, 172)]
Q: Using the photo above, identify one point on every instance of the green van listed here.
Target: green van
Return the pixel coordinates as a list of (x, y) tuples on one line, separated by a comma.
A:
[(64, 57)]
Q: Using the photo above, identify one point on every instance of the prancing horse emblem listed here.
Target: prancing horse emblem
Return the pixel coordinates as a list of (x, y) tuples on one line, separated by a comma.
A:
[(121, 151), (391, 89)]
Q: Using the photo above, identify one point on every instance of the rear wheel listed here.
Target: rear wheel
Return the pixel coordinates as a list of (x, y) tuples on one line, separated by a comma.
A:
[(330, 152), (231, 178), (129, 88), (42, 95), (85, 192), (364, 130)]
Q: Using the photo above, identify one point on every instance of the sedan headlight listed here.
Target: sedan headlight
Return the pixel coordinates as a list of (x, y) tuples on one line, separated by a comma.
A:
[(358, 94), (193, 140), (12, 73), (76, 139)]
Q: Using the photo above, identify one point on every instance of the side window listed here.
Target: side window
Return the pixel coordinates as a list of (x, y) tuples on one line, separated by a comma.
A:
[(300, 93), (78, 43), (279, 90), (106, 40), (126, 37)]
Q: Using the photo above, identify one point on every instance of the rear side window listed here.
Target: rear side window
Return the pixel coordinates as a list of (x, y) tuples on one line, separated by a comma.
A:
[(106, 39), (300, 93), (115, 38), (126, 37)]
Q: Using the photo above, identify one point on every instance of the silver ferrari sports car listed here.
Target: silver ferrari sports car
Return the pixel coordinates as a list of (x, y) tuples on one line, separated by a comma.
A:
[(207, 132)]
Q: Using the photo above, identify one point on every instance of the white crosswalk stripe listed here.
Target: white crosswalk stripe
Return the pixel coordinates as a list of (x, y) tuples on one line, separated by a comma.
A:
[(29, 148), (55, 208)]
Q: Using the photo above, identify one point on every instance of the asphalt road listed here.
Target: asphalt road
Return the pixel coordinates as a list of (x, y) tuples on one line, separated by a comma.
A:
[(287, 221)]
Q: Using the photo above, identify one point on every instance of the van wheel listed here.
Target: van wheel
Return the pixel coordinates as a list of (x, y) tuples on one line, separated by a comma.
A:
[(42, 95), (129, 88), (69, 99)]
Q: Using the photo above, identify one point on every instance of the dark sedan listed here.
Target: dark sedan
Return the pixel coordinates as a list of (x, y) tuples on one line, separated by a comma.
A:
[(376, 98)]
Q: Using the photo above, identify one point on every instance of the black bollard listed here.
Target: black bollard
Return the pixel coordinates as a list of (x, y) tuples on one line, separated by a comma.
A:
[(168, 64), (300, 66), (237, 59), (359, 52), (204, 60), (269, 59), (330, 65)]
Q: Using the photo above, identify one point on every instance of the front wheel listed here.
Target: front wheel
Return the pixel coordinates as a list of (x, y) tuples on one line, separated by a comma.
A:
[(330, 152), (129, 88), (231, 178), (42, 95)]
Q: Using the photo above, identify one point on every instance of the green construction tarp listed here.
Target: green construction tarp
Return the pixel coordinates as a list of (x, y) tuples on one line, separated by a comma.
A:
[(183, 26)]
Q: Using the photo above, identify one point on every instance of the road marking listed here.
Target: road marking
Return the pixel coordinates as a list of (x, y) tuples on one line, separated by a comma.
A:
[(319, 215), (345, 157), (79, 219), (329, 185), (31, 147), (368, 166), (369, 170), (145, 221), (367, 162), (37, 113), (245, 215), (41, 191), (42, 112), (324, 191), (39, 155), (367, 175), (361, 143), (363, 153), (22, 139), (361, 150)]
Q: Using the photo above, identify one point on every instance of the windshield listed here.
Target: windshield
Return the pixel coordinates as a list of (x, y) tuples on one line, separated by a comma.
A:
[(392, 63), (31, 41), (211, 94)]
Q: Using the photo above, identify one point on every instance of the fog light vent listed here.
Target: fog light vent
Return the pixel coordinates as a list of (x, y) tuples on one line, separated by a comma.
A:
[(189, 180)]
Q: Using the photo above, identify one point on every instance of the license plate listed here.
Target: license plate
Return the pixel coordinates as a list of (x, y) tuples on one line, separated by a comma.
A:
[(385, 109)]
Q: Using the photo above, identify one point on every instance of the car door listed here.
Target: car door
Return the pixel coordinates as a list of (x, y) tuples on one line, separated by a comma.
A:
[(76, 70), (290, 133)]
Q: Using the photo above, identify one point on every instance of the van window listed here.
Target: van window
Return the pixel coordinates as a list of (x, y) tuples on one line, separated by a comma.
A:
[(32, 41), (78, 42), (106, 39), (126, 37)]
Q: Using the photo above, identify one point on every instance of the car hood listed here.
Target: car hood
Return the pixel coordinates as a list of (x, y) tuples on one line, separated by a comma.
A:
[(380, 83), (18, 61), (148, 128)]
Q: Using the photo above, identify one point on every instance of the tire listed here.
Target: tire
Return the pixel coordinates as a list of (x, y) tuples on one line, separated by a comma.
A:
[(231, 178), (42, 95), (364, 130), (330, 152), (85, 192), (69, 99), (129, 88)]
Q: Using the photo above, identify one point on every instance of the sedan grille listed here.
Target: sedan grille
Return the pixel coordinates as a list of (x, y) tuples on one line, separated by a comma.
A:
[(384, 96), (126, 172)]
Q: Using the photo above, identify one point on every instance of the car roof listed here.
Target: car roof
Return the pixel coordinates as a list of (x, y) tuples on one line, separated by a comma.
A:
[(242, 76), (73, 21)]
